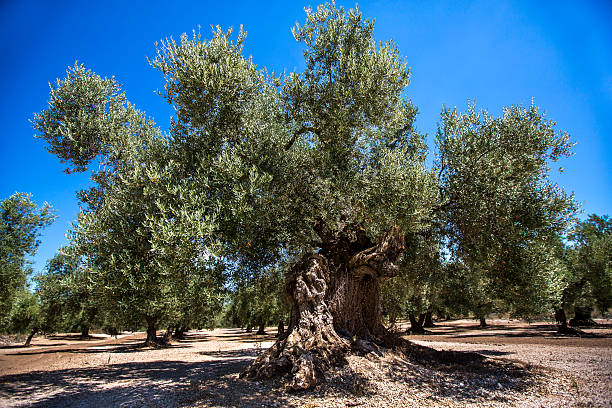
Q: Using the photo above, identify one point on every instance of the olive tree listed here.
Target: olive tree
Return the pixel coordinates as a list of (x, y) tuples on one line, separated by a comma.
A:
[(502, 213), (588, 270), (21, 221)]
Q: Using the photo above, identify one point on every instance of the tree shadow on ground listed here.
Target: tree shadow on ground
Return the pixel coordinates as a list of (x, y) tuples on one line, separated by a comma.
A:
[(22, 346), (454, 376), (75, 337), (159, 383), (131, 347), (547, 330)]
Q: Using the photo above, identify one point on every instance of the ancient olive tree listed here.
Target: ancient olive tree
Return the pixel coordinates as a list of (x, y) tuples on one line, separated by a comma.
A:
[(20, 223), (502, 213), (323, 167)]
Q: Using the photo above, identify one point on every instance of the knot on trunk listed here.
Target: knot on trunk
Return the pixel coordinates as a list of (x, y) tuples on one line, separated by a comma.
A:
[(308, 283), (380, 260)]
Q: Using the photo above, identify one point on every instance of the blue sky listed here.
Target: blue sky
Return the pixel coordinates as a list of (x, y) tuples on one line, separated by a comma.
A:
[(495, 53)]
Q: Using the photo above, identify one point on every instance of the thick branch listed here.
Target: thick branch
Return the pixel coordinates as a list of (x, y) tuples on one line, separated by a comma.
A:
[(379, 261), (300, 131)]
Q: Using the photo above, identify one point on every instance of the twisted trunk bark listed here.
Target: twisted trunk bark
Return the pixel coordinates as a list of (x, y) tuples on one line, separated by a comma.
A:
[(335, 307)]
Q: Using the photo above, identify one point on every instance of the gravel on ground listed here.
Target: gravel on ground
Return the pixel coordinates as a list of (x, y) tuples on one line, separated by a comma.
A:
[(516, 364)]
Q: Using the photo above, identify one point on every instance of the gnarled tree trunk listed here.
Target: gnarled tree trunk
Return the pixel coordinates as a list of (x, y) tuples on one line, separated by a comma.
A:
[(416, 324), (335, 307)]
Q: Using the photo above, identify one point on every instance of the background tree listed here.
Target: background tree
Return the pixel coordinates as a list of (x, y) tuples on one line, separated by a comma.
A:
[(25, 315), (67, 298), (502, 213), (415, 293), (21, 221), (259, 302), (120, 231), (588, 272)]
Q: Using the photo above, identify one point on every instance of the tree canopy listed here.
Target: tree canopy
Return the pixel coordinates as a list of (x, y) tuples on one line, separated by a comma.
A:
[(21, 221), (322, 170)]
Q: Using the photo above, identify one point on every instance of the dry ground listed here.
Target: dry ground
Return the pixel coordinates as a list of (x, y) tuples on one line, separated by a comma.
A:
[(517, 364)]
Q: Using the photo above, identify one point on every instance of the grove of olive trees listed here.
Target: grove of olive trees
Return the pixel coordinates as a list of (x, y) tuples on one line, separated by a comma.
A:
[(303, 198)]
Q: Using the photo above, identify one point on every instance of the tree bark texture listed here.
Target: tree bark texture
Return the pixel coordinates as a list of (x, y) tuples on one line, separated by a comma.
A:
[(151, 331), (483, 321), (335, 307)]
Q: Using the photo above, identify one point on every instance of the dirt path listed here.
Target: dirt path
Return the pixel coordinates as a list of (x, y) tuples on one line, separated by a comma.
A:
[(203, 369)]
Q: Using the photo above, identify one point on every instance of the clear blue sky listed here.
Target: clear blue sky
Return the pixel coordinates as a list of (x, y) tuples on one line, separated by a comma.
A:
[(496, 53)]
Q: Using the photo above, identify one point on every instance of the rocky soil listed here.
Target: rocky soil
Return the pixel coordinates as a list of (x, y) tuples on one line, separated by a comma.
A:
[(507, 364)]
